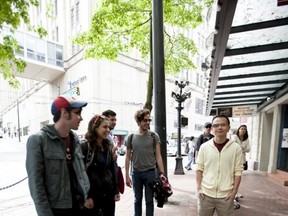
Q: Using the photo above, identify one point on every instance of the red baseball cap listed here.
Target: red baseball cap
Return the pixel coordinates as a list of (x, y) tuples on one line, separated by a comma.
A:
[(66, 101)]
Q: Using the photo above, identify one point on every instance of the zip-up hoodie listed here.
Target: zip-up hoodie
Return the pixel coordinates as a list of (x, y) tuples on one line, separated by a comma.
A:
[(48, 174), (219, 168)]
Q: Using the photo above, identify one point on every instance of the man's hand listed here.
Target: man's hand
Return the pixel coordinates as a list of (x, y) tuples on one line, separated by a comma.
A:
[(200, 193), (89, 203), (231, 195), (128, 182)]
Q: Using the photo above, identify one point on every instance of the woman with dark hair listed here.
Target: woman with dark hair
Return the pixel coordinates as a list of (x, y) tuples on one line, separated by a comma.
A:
[(241, 137), (100, 169)]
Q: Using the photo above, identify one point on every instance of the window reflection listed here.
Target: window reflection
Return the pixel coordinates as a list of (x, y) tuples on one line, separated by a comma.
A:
[(35, 48)]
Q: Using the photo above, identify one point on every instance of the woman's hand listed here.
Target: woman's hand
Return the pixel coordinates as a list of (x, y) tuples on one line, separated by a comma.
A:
[(117, 197), (89, 203), (114, 155)]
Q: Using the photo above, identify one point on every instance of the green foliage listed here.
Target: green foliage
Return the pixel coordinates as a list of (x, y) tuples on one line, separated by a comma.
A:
[(12, 12), (121, 25)]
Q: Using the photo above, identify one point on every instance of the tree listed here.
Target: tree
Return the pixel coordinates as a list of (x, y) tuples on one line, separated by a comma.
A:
[(120, 25), (12, 13)]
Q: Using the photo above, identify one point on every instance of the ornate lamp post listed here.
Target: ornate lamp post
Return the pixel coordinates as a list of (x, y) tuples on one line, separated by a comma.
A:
[(180, 96)]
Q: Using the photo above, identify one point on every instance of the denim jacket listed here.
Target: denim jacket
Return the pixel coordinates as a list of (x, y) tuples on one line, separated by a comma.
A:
[(48, 175)]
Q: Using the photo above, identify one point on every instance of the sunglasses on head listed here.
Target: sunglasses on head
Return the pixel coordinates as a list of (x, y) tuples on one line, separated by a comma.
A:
[(97, 118)]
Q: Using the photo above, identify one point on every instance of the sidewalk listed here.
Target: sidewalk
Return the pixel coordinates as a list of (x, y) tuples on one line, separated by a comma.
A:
[(262, 197)]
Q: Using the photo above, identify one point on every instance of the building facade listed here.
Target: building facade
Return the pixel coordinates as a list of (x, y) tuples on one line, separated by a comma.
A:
[(56, 66)]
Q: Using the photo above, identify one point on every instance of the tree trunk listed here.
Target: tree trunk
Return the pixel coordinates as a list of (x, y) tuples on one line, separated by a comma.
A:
[(149, 95)]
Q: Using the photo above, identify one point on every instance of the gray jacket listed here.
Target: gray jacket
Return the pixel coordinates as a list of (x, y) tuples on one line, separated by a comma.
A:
[(48, 175)]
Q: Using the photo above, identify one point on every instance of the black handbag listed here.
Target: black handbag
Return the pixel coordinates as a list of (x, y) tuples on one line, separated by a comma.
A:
[(245, 165)]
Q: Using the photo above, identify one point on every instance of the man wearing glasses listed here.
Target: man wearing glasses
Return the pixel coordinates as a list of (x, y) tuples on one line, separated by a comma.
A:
[(57, 178), (218, 171), (203, 137), (143, 152)]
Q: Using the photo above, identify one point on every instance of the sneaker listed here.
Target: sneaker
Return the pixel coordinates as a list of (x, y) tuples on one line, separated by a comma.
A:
[(236, 205), (239, 195), (188, 168)]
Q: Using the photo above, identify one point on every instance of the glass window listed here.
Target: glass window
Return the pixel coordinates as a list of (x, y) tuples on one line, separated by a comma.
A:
[(72, 17), (20, 39), (197, 79), (59, 55), (55, 54), (51, 50), (55, 8), (35, 48), (77, 13), (199, 104), (31, 46)]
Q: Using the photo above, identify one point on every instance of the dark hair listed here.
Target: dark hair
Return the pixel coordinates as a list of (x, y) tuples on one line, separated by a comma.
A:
[(108, 113), (91, 134), (245, 135), (139, 115), (57, 115), (221, 116), (192, 138)]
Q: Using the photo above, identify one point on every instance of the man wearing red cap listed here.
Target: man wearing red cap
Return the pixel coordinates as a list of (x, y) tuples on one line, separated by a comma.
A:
[(58, 182)]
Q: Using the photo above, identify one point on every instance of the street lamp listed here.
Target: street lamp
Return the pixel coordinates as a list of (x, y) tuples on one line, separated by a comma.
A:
[(180, 95)]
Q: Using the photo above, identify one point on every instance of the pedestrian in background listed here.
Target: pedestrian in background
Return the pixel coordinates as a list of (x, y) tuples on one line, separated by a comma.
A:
[(103, 183), (111, 115), (203, 137), (241, 137), (190, 153), (218, 171), (143, 152), (57, 179)]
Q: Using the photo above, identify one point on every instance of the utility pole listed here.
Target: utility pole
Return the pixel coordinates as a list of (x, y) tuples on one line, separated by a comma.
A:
[(159, 76)]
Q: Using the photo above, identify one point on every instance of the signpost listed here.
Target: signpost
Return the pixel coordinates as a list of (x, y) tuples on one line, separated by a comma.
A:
[(237, 111)]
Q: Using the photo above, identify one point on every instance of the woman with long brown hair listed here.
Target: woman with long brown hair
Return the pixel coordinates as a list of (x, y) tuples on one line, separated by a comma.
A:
[(241, 137), (100, 169)]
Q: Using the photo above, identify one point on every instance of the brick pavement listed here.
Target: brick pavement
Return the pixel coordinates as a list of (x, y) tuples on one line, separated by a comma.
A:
[(261, 197)]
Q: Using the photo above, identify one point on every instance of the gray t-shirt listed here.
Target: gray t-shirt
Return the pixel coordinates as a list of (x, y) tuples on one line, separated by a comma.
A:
[(143, 151)]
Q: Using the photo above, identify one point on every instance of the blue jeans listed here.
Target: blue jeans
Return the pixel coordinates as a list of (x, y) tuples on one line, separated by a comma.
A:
[(140, 179), (190, 159)]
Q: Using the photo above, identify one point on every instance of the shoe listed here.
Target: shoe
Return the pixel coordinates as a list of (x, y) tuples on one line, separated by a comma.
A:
[(239, 195), (236, 205), (188, 168)]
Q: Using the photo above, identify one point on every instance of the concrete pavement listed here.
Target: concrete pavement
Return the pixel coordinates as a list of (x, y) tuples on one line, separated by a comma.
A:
[(261, 195)]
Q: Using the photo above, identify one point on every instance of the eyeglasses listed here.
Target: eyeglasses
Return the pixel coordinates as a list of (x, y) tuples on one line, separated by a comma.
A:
[(97, 118), (219, 125), (147, 120)]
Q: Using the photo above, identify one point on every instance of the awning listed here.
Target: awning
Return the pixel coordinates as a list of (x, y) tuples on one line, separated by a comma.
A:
[(249, 65)]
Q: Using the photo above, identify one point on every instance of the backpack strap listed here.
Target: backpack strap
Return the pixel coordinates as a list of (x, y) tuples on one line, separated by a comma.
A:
[(130, 141), (154, 139)]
